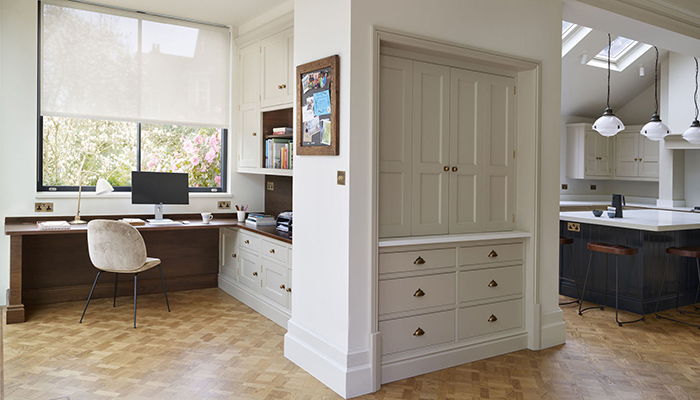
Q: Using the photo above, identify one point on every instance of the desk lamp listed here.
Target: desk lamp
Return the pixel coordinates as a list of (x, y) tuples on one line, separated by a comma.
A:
[(101, 187)]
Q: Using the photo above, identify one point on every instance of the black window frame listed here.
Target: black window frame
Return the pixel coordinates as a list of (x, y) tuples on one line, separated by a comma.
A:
[(40, 187)]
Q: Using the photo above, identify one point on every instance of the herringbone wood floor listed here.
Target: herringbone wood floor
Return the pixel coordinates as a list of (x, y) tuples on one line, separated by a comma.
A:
[(213, 347)]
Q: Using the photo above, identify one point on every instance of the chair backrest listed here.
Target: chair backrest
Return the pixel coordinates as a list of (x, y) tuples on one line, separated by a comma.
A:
[(115, 245)]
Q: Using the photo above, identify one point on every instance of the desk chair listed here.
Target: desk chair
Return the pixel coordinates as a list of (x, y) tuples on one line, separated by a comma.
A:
[(117, 247)]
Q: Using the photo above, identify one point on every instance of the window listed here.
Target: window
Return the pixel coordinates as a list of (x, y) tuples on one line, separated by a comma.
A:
[(623, 52), (571, 35), (122, 91), (618, 48)]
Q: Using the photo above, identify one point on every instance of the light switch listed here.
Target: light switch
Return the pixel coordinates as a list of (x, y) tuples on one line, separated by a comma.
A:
[(341, 178)]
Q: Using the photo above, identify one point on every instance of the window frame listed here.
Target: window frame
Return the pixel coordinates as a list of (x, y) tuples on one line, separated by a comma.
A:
[(40, 187)]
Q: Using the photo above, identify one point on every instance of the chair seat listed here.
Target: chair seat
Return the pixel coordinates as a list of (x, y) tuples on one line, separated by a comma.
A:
[(150, 263), (615, 249), (693, 252), (563, 240)]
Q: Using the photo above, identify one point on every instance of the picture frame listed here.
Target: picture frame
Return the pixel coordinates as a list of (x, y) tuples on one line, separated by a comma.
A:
[(317, 107)]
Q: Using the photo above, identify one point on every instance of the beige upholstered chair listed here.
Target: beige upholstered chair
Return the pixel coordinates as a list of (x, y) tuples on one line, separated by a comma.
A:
[(117, 247)]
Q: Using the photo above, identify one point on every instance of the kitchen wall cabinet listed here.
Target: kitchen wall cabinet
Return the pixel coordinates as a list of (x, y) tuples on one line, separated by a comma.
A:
[(635, 155), (446, 149)]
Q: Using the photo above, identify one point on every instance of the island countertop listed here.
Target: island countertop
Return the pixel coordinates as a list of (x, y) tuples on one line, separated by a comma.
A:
[(646, 220)]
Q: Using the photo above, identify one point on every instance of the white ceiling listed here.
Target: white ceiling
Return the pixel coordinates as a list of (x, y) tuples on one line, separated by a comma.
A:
[(225, 12)]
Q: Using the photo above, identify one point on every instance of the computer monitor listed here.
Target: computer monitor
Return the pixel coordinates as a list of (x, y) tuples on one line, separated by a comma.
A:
[(159, 188)]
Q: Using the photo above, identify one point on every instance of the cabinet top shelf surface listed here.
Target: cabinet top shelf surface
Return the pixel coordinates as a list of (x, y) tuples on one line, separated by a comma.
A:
[(438, 239)]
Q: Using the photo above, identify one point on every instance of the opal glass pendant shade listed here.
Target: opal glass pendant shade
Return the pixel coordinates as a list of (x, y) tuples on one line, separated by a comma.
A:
[(655, 129), (608, 124), (692, 134)]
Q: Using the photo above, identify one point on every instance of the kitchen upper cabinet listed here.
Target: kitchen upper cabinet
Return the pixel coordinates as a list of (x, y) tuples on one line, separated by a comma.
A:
[(588, 153), (277, 69), (636, 156)]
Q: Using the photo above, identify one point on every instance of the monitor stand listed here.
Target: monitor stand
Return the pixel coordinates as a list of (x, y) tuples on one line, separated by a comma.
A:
[(159, 216)]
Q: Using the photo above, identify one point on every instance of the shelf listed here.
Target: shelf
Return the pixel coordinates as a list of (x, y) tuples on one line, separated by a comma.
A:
[(283, 136)]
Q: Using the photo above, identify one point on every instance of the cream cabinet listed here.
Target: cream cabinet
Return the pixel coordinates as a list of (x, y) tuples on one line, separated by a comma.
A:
[(446, 149), (448, 303), (257, 270), (635, 155), (588, 153), (277, 69)]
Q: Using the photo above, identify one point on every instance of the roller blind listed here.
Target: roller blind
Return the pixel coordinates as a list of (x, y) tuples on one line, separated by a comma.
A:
[(110, 64)]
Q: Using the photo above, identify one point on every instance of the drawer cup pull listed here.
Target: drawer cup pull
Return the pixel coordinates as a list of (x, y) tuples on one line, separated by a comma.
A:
[(419, 332), (419, 261), (289, 290), (247, 241), (492, 318), (493, 254), (282, 286), (255, 274), (493, 283), (419, 293), (272, 251)]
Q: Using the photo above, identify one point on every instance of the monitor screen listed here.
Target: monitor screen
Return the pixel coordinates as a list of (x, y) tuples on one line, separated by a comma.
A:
[(159, 188)]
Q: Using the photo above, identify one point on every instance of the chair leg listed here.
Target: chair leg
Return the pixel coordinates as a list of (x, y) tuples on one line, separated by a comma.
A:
[(617, 291), (136, 277), (583, 292), (695, 302), (164, 291), (116, 276), (656, 311), (88, 299)]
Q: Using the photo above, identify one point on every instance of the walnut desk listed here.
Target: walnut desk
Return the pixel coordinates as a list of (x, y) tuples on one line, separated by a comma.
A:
[(49, 266)]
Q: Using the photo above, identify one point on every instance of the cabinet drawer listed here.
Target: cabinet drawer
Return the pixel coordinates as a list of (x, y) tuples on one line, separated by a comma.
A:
[(401, 334), (491, 282), (274, 250), (406, 294), (416, 260), (474, 321), (249, 242), (490, 254)]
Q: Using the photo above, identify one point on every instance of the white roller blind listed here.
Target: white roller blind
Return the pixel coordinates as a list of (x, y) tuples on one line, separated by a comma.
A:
[(117, 65)]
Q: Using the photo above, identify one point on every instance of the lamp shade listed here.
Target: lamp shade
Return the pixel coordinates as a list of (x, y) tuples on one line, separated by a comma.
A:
[(103, 187), (655, 129), (608, 124), (692, 134)]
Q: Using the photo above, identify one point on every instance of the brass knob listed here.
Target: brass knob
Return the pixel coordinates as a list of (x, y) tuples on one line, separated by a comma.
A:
[(282, 286), (419, 332), (493, 254), (233, 255), (255, 274), (419, 261), (492, 318), (446, 168), (272, 251), (247, 241), (640, 159), (493, 283), (419, 293), (635, 159), (255, 134), (281, 86), (289, 290), (454, 169)]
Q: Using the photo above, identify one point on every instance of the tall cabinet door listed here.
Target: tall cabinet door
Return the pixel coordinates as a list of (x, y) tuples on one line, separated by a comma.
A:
[(431, 96), (275, 53), (598, 152), (249, 143), (626, 144), (395, 135), (499, 153), (648, 157), (466, 159)]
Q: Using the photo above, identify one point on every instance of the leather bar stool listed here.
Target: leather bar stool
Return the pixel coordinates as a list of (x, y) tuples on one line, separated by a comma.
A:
[(690, 252), (616, 250), (567, 241)]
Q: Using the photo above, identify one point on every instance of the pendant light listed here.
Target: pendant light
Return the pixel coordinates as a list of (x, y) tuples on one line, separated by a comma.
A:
[(655, 129), (692, 134), (608, 124)]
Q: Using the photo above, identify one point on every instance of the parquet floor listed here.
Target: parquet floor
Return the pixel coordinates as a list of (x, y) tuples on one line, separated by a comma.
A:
[(213, 347)]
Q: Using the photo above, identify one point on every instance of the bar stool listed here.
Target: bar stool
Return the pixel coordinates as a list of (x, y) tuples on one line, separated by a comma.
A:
[(616, 250), (565, 241), (690, 252)]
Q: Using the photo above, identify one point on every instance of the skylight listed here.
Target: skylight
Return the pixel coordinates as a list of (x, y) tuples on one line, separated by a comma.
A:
[(571, 34), (618, 48), (623, 52), (565, 26)]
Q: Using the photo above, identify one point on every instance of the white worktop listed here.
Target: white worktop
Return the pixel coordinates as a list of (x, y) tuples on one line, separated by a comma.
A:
[(603, 204), (646, 220)]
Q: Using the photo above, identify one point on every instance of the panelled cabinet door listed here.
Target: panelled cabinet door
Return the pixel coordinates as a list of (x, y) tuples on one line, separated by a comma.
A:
[(395, 137), (431, 96), (249, 74), (648, 158), (597, 153), (626, 159), (275, 83), (229, 253), (499, 162), (274, 282), (250, 142), (250, 270), (466, 139)]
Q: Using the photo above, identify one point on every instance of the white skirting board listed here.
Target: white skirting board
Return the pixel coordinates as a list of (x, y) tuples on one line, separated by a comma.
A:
[(553, 329), (269, 310)]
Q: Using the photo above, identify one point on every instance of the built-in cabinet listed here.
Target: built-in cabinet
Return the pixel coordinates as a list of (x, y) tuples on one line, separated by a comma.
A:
[(257, 270), (625, 156), (446, 149), (266, 92)]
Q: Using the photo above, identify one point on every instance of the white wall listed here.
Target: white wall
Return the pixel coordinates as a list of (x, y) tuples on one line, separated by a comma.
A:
[(639, 110), (333, 247), (18, 141)]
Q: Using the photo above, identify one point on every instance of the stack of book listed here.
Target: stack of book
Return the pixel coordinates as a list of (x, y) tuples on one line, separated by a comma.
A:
[(282, 131), (278, 153), (257, 219)]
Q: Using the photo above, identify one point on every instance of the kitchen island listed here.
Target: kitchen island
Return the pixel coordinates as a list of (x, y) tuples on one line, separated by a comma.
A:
[(649, 231)]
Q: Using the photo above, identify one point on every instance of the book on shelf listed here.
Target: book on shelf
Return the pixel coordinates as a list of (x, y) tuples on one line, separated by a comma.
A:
[(134, 221), (278, 153), (52, 225), (282, 131)]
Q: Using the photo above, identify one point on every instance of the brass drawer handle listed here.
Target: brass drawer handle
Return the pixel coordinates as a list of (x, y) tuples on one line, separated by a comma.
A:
[(255, 274), (493, 283), (247, 241), (281, 86), (419, 332), (493, 254), (289, 290), (272, 251), (492, 318), (282, 286), (419, 293), (419, 261), (233, 255)]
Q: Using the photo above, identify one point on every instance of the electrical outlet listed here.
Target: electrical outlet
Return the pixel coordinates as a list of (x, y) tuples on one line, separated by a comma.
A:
[(341, 178), (270, 185), (564, 186), (43, 207), (223, 205), (593, 187), (573, 226)]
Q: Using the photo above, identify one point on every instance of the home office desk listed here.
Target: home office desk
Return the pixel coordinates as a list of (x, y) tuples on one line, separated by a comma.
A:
[(49, 266)]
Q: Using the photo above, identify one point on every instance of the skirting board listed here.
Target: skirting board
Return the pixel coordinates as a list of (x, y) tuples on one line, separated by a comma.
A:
[(273, 312), (553, 331), (414, 366)]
